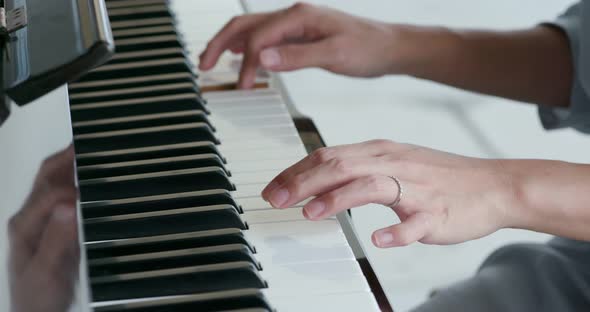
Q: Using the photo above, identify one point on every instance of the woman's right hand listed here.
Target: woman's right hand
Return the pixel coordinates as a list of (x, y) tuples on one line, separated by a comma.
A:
[(305, 35)]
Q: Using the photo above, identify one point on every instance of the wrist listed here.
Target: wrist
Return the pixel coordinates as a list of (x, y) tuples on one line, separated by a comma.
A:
[(517, 191), (545, 194)]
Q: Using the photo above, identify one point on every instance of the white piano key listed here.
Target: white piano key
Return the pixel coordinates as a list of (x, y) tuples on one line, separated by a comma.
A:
[(254, 203), (315, 278), (299, 242), (256, 151), (249, 122), (273, 215), (253, 143), (248, 190), (237, 135), (294, 152), (205, 6), (223, 105), (254, 111), (257, 203), (343, 302), (243, 175), (242, 95), (275, 144)]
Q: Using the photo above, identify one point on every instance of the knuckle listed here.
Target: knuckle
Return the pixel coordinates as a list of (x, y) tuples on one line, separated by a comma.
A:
[(233, 22), (301, 7), (339, 165), (13, 226), (331, 200), (322, 155), (402, 238), (380, 143), (296, 183)]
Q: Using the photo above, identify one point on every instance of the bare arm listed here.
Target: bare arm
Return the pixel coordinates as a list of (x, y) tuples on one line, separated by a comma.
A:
[(532, 65)]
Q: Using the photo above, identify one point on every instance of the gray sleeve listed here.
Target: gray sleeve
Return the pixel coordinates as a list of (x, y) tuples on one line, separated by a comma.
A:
[(577, 115)]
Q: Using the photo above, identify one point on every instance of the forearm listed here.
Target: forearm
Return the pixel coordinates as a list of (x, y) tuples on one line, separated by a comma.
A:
[(533, 65), (551, 197)]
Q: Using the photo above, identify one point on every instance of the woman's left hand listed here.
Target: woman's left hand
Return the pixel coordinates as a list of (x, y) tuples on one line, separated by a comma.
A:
[(446, 198)]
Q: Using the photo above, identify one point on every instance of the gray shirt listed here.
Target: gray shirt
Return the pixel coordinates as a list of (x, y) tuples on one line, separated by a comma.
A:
[(575, 22)]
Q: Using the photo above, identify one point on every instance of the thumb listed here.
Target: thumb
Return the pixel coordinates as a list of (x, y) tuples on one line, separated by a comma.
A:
[(295, 56), (411, 230)]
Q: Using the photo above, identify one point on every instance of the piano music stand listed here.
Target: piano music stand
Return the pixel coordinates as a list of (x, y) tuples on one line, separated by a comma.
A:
[(45, 44)]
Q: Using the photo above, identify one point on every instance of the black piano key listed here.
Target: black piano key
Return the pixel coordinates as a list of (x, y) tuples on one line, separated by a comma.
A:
[(244, 300), (141, 121), (247, 310), (144, 31), (162, 222), (131, 82), (131, 93), (151, 165), (139, 12), (198, 279), (160, 183), (144, 43), (171, 259), (161, 243), (132, 3), (154, 54), (167, 150), (142, 137), (139, 69), (158, 202), (145, 22)]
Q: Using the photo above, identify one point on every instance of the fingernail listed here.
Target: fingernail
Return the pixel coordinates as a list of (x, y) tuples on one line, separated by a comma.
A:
[(279, 197), (270, 57), (384, 238), (268, 189), (315, 209), (64, 214)]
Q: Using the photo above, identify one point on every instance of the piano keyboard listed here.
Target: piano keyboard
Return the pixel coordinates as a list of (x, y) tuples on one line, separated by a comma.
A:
[(170, 183)]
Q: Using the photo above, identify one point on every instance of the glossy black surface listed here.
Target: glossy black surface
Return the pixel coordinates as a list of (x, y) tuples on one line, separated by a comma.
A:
[(62, 41)]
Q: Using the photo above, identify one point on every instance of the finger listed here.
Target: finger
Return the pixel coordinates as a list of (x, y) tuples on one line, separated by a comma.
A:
[(235, 28), (325, 177), (375, 189), (58, 248), (238, 47), (247, 77), (325, 154), (279, 28), (318, 180), (411, 230)]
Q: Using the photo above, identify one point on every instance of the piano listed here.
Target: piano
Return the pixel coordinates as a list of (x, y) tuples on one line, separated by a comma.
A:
[(170, 165)]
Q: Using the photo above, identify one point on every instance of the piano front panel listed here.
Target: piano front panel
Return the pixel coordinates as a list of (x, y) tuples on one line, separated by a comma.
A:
[(170, 179)]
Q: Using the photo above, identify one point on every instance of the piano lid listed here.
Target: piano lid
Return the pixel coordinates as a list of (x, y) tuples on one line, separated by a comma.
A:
[(49, 43)]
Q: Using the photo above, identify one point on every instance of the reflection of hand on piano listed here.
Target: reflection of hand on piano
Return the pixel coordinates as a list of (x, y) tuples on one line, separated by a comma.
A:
[(308, 36), (44, 251)]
